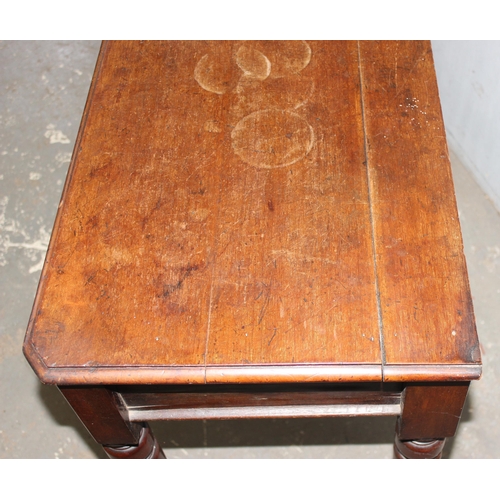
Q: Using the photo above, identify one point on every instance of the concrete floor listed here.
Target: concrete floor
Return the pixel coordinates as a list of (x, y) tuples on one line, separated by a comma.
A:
[(44, 86)]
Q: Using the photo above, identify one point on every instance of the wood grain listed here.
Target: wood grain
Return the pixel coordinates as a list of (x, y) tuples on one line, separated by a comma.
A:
[(170, 250), (256, 212), (426, 308), (293, 263)]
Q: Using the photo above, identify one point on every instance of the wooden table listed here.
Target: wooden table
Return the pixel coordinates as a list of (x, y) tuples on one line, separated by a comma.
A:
[(258, 229)]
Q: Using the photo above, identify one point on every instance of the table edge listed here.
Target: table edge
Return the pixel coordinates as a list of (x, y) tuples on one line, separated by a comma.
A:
[(249, 374)]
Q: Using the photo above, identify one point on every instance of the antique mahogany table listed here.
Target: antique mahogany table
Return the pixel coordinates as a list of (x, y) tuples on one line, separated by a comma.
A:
[(258, 229)]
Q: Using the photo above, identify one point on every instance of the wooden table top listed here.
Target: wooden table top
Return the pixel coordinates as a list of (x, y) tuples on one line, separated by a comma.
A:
[(257, 212)]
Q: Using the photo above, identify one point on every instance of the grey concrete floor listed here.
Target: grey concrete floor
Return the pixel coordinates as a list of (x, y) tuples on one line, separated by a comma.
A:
[(43, 88)]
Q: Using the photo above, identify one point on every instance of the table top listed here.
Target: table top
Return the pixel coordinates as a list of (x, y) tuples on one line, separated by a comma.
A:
[(257, 212)]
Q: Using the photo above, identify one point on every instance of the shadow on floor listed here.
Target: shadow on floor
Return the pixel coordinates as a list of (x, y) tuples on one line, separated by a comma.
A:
[(63, 414)]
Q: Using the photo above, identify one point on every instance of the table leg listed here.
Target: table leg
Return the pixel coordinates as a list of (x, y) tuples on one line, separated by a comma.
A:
[(103, 414), (147, 447), (430, 413)]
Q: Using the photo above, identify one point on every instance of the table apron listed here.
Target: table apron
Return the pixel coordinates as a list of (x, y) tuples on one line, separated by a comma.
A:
[(196, 406)]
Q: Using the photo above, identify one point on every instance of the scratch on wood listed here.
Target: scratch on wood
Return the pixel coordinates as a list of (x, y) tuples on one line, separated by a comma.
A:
[(396, 68), (271, 339), (264, 307), (168, 289), (446, 413)]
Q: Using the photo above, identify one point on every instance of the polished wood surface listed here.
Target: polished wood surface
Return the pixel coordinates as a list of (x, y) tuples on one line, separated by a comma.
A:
[(104, 414), (426, 310), (442, 405), (257, 212), (220, 401)]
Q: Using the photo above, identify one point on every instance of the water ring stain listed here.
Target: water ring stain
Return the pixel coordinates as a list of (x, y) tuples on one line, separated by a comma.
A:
[(272, 138)]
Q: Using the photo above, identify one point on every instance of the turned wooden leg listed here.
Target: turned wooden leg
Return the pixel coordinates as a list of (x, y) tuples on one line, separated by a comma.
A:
[(418, 449), (430, 413), (105, 417), (147, 447)]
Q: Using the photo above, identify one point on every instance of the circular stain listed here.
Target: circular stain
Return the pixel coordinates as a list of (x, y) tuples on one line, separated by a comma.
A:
[(215, 74), (253, 63), (286, 56), (272, 138)]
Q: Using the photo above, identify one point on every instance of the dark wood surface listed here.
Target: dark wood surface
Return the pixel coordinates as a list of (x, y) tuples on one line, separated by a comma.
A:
[(219, 401), (431, 411), (418, 449), (104, 414), (147, 448), (142, 400), (426, 310), (257, 212)]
